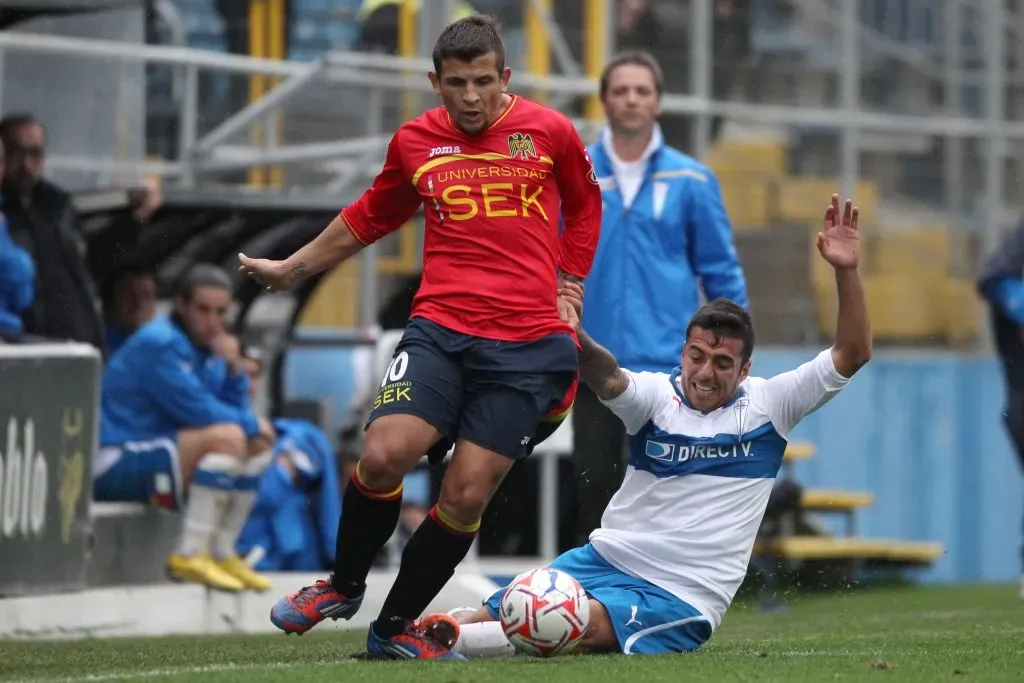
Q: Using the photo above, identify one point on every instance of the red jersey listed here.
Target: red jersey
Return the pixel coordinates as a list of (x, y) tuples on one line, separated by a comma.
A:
[(493, 247)]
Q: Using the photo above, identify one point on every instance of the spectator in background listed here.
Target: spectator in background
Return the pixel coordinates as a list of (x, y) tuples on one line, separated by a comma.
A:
[(129, 302), (17, 279), (43, 221), (1002, 285), (174, 415), (665, 235)]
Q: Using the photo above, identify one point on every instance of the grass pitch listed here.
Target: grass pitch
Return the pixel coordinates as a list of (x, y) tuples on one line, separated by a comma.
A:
[(917, 634)]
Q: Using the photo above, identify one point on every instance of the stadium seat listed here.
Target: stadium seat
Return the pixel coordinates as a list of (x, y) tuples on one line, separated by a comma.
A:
[(745, 196), (732, 157), (822, 500), (876, 551), (803, 199), (922, 251), (906, 307), (846, 503)]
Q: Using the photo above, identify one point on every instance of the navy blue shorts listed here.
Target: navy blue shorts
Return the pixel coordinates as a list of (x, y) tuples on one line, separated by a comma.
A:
[(492, 393)]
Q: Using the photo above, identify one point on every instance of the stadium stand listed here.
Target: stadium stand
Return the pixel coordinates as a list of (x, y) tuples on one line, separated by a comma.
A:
[(802, 544)]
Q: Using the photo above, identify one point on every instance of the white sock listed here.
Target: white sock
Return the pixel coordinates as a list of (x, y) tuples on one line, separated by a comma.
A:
[(211, 487), (483, 639), (240, 504)]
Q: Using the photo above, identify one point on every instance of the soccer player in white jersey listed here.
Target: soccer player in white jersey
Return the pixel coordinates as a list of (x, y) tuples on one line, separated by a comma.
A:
[(706, 444)]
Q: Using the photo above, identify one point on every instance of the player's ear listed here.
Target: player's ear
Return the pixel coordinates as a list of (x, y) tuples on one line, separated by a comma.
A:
[(435, 82), (506, 74), (745, 370)]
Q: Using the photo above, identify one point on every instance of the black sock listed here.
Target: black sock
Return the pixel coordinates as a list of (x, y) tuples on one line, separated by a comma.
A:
[(428, 562), (368, 518)]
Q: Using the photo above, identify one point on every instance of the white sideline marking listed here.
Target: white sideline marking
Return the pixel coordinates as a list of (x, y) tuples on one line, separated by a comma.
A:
[(222, 668), (179, 671)]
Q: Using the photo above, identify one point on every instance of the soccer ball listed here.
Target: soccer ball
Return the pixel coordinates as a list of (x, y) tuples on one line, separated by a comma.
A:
[(544, 612)]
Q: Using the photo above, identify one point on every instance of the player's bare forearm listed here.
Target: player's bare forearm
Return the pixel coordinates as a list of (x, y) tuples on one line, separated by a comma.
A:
[(852, 347), (332, 246), (599, 370)]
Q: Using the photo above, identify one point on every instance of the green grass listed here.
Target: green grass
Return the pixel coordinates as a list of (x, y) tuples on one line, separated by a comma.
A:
[(923, 634)]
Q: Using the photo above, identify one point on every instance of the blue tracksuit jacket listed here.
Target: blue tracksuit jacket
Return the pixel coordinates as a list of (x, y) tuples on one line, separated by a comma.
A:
[(158, 382), (294, 524), (654, 257), (17, 282)]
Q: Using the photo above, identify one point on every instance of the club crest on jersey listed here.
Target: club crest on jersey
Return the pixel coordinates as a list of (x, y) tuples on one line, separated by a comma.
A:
[(520, 145)]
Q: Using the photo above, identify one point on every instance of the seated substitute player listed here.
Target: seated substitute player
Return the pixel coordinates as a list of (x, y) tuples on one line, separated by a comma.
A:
[(174, 415), (488, 349), (706, 444)]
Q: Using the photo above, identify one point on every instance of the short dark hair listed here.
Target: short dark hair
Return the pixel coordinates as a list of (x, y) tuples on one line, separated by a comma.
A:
[(469, 38), (725, 319), (203, 275), (636, 58), (17, 120), (118, 274)]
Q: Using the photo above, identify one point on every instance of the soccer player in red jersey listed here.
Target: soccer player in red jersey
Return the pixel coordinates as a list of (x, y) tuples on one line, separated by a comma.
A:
[(488, 357)]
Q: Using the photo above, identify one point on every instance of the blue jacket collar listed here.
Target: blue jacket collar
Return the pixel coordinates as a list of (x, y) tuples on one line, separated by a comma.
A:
[(604, 152), (677, 375)]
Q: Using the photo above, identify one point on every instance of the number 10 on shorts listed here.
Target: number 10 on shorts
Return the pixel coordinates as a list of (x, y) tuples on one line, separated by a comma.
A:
[(393, 388)]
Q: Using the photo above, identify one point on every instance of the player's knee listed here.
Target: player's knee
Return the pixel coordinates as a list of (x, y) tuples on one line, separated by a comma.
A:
[(465, 501), (383, 463), (228, 439)]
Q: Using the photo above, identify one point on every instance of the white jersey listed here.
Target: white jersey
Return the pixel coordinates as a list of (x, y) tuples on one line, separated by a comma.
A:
[(696, 488)]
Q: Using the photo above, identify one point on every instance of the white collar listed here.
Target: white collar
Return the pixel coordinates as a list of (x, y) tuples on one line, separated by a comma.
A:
[(657, 140)]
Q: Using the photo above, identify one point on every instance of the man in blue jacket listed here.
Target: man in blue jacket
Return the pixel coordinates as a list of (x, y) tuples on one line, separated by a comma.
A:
[(176, 424), (17, 285), (17, 277), (665, 236), (1002, 285)]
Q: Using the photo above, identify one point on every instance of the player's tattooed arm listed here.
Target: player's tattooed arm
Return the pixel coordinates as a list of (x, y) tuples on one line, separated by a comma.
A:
[(599, 369), (564, 277)]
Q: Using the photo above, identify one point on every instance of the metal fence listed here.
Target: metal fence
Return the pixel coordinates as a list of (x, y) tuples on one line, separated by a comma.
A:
[(909, 106)]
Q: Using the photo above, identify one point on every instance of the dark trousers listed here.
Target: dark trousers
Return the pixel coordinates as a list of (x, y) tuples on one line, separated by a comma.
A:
[(1014, 420), (599, 459)]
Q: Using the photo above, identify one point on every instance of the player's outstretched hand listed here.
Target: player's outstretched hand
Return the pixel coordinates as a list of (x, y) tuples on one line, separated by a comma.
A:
[(272, 275), (839, 240)]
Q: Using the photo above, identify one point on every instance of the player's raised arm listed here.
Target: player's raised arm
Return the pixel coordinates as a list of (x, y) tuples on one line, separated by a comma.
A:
[(839, 245), (795, 394), (382, 209), (581, 207)]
